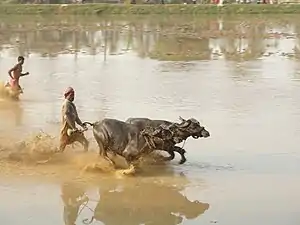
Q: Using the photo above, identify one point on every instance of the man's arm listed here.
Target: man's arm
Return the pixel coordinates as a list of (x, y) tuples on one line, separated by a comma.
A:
[(11, 70), (24, 74), (68, 116), (78, 120)]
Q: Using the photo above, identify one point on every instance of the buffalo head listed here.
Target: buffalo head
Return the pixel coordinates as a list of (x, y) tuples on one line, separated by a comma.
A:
[(191, 127)]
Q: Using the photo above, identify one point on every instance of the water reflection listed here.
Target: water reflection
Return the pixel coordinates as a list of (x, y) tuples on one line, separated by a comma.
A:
[(73, 196), (235, 39), (133, 202), (146, 203)]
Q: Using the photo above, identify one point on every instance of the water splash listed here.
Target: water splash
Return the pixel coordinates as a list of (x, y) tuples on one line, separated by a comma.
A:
[(38, 154)]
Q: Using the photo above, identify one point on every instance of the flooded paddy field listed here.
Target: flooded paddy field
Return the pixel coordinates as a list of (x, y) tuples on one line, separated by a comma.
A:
[(239, 76)]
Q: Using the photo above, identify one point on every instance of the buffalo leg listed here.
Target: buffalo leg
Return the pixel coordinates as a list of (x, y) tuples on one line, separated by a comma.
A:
[(103, 153), (181, 151), (171, 157)]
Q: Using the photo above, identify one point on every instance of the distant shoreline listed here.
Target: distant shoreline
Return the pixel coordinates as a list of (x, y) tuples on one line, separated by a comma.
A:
[(145, 9)]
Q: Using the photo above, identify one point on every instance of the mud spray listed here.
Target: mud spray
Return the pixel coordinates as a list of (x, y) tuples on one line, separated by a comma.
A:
[(4, 93), (37, 155)]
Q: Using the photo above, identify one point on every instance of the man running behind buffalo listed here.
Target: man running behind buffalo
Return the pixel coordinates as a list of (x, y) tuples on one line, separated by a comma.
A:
[(15, 74), (69, 133)]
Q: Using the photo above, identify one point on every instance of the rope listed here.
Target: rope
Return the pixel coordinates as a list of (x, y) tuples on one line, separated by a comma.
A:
[(86, 220)]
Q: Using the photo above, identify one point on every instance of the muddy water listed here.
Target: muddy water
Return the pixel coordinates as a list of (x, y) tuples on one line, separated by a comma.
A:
[(238, 76)]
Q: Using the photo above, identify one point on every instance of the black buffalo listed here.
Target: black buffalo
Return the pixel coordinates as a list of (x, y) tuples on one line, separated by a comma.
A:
[(127, 140), (180, 132)]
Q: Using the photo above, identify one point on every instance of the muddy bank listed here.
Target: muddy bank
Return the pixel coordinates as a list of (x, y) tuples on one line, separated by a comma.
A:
[(107, 9)]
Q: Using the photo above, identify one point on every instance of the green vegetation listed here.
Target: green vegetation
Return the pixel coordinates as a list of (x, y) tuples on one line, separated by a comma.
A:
[(127, 9)]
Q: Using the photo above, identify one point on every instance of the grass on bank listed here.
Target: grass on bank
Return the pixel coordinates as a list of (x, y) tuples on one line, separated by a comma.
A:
[(127, 9)]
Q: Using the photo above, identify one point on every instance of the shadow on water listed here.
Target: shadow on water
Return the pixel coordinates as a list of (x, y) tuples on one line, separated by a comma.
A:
[(132, 202)]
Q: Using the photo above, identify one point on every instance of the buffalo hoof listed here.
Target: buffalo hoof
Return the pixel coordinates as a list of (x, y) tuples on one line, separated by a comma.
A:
[(121, 173), (182, 161), (130, 171)]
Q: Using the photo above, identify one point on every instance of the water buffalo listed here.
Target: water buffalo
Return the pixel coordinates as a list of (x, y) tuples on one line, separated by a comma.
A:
[(180, 132), (126, 140)]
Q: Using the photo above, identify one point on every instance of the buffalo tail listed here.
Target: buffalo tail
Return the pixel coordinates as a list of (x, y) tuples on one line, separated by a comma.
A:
[(88, 123)]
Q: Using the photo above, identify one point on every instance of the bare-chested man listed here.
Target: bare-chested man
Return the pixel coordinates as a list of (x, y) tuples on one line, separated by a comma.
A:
[(15, 73), (69, 133)]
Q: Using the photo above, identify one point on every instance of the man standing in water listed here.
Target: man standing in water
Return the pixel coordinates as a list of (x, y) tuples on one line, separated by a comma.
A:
[(15, 73), (69, 133)]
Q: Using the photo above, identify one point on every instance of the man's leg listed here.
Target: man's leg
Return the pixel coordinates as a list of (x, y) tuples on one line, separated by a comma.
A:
[(79, 136), (20, 89), (63, 142)]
